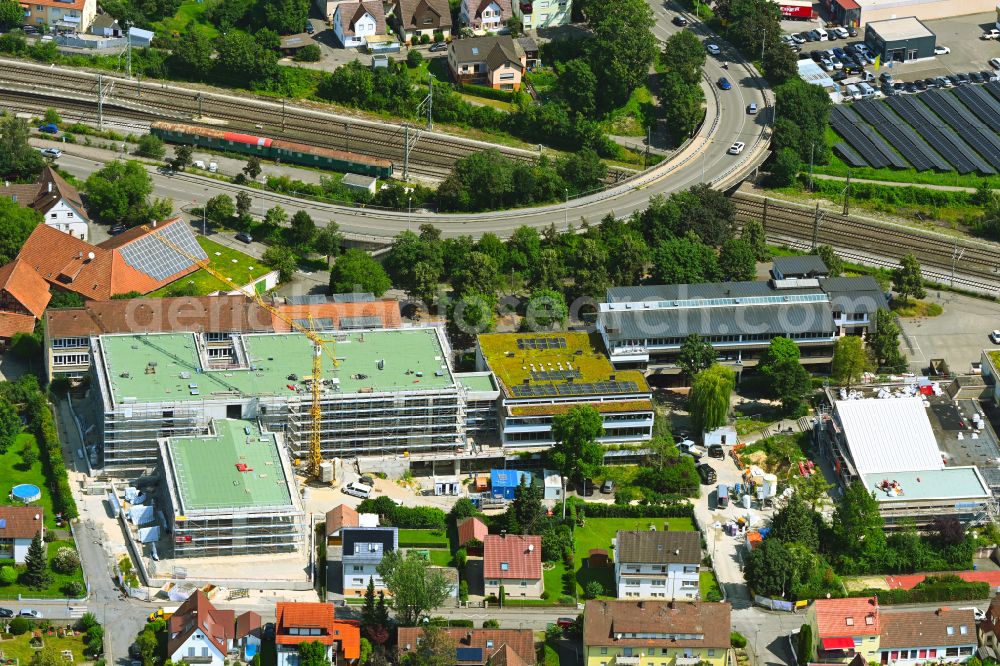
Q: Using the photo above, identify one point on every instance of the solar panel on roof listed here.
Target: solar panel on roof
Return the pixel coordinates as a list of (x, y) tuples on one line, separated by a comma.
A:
[(158, 259), (468, 654), (360, 322), (316, 324)]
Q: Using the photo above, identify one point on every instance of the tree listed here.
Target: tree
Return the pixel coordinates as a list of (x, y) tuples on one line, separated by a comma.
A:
[(813, 489), (414, 58), (182, 158), (312, 653), (416, 263), (769, 569), (779, 349), (436, 648), (753, 234), (848, 360), (834, 264), (684, 55), (356, 270), (19, 161), (577, 86), (415, 589), (8, 575), (708, 401), (695, 355), (526, 512), (907, 280), (803, 116), (477, 273), (790, 383), (281, 259), (684, 261), (220, 209), (780, 63), (883, 344), (682, 106), (119, 193), (191, 55), (785, 167), (857, 524), (312, 53), (151, 146), (593, 589), (328, 240), (252, 168), (366, 645), (11, 15), (737, 261), (275, 217), (583, 170), (16, 224), (368, 609), (244, 60), (805, 649), (622, 49), (546, 309), (36, 570), (303, 231), (576, 453), (524, 249), (796, 522), (148, 646)]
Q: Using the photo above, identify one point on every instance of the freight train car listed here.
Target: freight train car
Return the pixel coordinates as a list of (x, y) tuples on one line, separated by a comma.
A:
[(273, 149)]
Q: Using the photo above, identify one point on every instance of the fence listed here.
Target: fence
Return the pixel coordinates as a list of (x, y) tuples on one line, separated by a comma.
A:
[(92, 43), (774, 604)]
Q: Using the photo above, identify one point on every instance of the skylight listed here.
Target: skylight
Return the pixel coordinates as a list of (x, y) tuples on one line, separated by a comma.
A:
[(504, 566)]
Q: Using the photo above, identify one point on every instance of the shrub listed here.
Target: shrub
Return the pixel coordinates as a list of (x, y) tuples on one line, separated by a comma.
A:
[(66, 561), (566, 600), (438, 36), (593, 589), (74, 589), (8, 575), (150, 146), (804, 649), (425, 39), (308, 53), (545, 594), (18, 626), (463, 591), (87, 621), (491, 624), (737, 640), (414, 58)]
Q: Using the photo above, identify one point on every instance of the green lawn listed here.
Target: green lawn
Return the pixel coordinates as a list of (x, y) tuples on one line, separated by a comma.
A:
[(54, 590), (598, 532), (190, 11), (13, 472), (238, 266), (440, 558), (486, 101), (19, 648), (633, 118), (553, 579), (423, 538), (707, 584)]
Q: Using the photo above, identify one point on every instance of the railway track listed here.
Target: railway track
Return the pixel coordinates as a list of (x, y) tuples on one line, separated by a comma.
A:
[(430, 153), (974, 264)]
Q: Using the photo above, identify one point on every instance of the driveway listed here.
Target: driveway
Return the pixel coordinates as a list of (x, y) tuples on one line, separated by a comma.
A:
[(957, 335)]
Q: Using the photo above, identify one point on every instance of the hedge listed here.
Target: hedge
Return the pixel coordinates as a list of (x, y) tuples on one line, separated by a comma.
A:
[(932, 590), (485, 91), (416, 517), (596, 510), (51, 454)]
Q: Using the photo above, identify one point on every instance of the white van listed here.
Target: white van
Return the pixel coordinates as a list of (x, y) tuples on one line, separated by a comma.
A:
[(822, 35), (357, 490), (867, 92), (852, 92)]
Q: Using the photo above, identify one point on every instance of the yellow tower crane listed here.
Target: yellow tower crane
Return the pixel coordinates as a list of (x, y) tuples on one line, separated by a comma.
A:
[(319, 343)]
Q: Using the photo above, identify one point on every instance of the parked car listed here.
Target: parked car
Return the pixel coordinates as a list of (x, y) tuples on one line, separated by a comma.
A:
[(989, 76), (707, 474), (752, 108), (213, 167), (608, 487), (357, 490), (954, 80), (440, 46), (29, 29), (798, 39), (852, 32), (565, 622), (910, 87), (941, 50), (680, 21), (585, 488), (975, 77), (688, 447), (49, 128), (931, 83), (6, 612), (921, 86), (244, 237), (52, 152), (963, 79), (995, 337), (309, 27), (713, 49), (992, 33), (116, 229), (943, 82), (995, 63), (716, 451), (29, 613), (724, 83), (367, 480)]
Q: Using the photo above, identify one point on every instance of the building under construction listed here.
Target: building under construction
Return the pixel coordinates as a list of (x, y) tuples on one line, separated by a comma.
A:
[(386, 391), (230, 492)]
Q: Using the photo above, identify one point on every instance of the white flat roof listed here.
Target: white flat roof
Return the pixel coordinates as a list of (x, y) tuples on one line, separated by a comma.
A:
[(908, 27), (889, 435)]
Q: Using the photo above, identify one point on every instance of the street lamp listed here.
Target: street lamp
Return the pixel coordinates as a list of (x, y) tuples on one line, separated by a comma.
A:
[(566, 210)]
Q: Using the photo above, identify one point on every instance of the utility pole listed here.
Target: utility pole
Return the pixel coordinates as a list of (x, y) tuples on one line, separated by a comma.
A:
[(430, 101), (847, 194), (816, 220), (282, 114), (763, 40), (406, 152), (100, 102), (812, 148), (566, 210), (201, 98), (347, 136), (955, 256), (649, 141), (763, 220)]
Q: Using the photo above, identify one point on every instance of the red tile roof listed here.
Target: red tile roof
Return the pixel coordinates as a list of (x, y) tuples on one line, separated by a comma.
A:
[(26, 286), (521, 554), (48, 191), (12, 323), (316, 616), (492, 641), (847, 617), (339, 517), (910, 581), (246, 623), (21, 522), (198, 613), (387, 310), (471, 528)]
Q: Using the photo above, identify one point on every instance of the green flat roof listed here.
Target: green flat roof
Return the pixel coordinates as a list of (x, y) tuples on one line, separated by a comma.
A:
[(207, 477), (950, 482), (178, 376), (476, 382)]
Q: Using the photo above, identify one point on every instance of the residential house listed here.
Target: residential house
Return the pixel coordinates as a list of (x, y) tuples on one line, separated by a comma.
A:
[(355, 22), (496, 61), (74, 15), (655, 632), (514, 562), (652, 564), (327, 8), (920, 636), (531, 52), (23, 297), (539, 14), (301, 622), (485, 15), (337, 519), (58, 202), (18, 526), (478, 647), (363, 550), (200, 633), (843, 628), (989, 631), (105, 25), (471, 530), (416, 18)]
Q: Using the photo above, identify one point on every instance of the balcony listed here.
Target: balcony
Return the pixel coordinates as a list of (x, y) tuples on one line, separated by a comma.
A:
[(626, 661)]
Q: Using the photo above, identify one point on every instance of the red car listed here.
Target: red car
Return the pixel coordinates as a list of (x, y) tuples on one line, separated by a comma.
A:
[(565, 622)]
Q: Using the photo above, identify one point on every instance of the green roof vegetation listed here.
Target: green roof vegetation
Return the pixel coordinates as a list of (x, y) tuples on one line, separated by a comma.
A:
[(582, 352), (603, 407), (166, 367), (231, 470), (239, 267), (994, 358)]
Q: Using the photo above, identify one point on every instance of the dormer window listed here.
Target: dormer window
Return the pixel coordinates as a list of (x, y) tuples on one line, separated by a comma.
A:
[(869, 619), (849, 621)]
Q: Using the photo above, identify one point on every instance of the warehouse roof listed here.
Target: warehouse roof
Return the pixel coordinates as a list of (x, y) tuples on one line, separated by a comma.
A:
[(909, 27), (929, 484), (166, 367), (888, 435)]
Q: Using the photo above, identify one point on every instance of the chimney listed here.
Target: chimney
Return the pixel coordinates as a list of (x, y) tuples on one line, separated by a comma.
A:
[(50, 186), (531, 547), (154, 224)]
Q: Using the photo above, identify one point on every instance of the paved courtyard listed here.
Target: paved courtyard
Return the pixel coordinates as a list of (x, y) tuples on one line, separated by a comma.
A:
[(957, 335)]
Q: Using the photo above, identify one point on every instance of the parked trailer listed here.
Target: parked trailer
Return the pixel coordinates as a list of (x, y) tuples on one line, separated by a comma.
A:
[(275, 149)]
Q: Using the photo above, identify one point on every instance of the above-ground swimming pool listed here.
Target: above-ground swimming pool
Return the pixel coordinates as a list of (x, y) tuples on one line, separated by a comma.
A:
[(26, 493)]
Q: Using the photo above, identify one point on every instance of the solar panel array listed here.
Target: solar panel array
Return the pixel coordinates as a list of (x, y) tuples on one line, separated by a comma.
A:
[(994, 88), (901, 136), (541, 343), (848, 155), (555, 375), (361, 321), (156, 258), (941, 137), (588, 388), (316, 324), (864, 140), (982, 139), (984, 105)]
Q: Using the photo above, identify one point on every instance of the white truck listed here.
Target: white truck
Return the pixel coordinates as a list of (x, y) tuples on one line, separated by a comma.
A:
[(690, 448)]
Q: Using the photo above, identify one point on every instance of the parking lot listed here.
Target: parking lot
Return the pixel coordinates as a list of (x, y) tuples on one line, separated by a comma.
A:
[(957, 335)]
